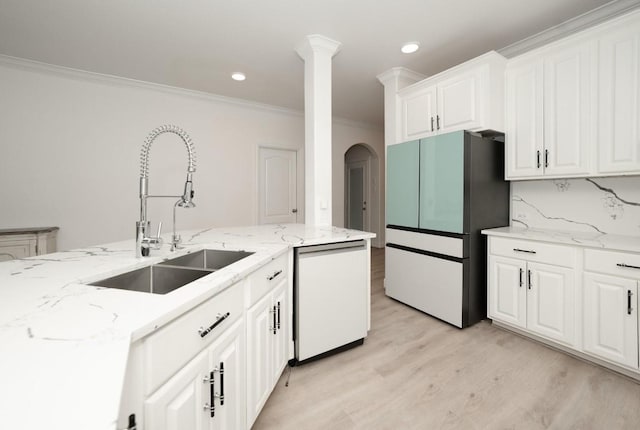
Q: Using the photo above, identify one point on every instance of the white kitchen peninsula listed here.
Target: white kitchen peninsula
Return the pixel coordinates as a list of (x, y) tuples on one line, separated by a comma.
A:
[(64, 345)]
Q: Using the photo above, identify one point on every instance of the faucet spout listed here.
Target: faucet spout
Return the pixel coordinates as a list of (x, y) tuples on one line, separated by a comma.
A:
[(143, 240)]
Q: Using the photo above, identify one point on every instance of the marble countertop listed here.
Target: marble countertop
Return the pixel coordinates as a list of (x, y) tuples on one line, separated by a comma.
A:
[(591, 240), (64, 344)]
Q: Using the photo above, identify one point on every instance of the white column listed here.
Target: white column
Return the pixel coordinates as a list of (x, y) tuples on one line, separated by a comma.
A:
[(393, 80), (317, 52)]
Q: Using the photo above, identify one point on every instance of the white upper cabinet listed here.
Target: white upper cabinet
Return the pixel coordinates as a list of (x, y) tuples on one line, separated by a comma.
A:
[(460, 102), (549, 112), (524, 131), (619, 100), (568, 119), (573, 106), (466, 97), (419, 113)]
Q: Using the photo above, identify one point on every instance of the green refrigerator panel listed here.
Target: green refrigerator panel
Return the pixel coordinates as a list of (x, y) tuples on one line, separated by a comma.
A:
[(402, 184), (442, 183)]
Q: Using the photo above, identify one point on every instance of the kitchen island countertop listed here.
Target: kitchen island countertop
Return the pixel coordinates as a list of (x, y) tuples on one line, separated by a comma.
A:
[(64, 344)]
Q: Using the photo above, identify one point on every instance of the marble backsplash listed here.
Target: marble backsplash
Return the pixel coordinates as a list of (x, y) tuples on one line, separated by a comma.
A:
[(596, 205)]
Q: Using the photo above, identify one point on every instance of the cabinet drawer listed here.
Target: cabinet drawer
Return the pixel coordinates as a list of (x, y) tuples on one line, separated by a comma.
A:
[(428, 242), (171, 347), (557, 255), (613, 263), (266, 278)]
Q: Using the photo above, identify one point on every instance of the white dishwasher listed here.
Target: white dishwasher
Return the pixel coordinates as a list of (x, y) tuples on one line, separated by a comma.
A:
[(330, 298)]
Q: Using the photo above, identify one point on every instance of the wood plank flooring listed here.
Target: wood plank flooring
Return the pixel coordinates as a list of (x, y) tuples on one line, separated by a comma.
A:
[(415, 372)]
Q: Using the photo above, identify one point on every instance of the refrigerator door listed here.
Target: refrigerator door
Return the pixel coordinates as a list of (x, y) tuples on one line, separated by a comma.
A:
[(442, 182), (402, 184)]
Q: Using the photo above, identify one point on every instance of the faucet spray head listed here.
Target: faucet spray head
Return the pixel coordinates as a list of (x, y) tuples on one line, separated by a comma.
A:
[(186, 200)]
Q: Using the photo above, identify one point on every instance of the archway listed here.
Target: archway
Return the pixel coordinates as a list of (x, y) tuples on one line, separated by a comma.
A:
[(361, 188)]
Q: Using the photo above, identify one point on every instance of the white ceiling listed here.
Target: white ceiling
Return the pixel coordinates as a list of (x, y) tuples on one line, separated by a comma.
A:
[(196, 44)]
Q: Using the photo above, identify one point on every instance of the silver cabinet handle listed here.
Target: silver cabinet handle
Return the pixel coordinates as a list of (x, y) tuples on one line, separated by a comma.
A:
[(431, 123), (211, 380), (538, 159), (529, 278), (627, 266), (438, 122), (524, 250), (219, 318)]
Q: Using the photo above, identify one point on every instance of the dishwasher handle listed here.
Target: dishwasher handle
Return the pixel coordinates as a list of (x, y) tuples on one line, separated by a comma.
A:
[(339, 246)]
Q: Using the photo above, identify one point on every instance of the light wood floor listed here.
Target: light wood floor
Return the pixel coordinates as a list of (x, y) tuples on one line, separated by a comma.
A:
[(415, 372)]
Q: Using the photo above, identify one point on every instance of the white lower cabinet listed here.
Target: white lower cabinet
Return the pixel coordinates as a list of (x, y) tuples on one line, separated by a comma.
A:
[(266, 347), (214, 366), (207, 393), (179, 404), (611, 318), (590, 308), (533, 296)]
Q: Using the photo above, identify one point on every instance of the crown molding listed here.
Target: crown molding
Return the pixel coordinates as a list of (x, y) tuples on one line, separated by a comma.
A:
[(67, 72), (574, 25), (314, 43), (399, 73)]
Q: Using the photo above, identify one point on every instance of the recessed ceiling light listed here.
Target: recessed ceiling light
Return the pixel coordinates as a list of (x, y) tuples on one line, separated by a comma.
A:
[(238, 76), (410, 47)]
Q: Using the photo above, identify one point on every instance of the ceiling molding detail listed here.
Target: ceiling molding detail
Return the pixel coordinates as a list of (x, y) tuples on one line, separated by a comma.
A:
[(571, 26), (67, 72), (400, 73)]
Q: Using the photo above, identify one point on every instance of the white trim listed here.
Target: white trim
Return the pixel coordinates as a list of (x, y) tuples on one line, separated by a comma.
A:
[(574, 25), (68, 72), (399, 72), (37, 66)]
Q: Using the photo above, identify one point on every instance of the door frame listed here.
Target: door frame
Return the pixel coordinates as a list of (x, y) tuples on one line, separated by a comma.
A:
[(366, 192), (299, 175)]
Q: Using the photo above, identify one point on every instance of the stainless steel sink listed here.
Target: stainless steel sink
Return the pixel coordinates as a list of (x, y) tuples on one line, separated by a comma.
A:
[(155, 279), (211, 259)]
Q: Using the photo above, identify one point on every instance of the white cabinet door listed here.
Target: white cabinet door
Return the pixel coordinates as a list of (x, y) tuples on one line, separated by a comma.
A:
[(507, 291), (619, 101), (180, 403), (459, 102), (551, 302), (280, 338), (260, 366), (524, 120), (227, 361), (568, 118), (418, 113), (611, 318)]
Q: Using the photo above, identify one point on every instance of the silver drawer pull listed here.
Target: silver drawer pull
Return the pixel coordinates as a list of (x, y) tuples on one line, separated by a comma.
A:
[(627, 266), (219, 318), (524, 250), (274, 276)]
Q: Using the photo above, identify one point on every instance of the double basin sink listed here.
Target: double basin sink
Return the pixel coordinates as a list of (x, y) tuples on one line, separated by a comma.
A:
[(162, 278)]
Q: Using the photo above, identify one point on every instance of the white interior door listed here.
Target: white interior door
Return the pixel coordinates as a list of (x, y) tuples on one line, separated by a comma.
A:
[(277, 186), (357, 190)]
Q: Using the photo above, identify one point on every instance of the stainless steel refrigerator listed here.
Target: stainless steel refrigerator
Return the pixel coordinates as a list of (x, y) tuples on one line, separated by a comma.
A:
[(441, 192)]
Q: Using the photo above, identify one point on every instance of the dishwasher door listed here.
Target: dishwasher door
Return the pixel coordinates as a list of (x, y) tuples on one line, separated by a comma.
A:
[(330, 297)]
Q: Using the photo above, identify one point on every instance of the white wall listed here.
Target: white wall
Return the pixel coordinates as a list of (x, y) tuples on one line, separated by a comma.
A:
[(595, 205), (70, 144), (345, 135)]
